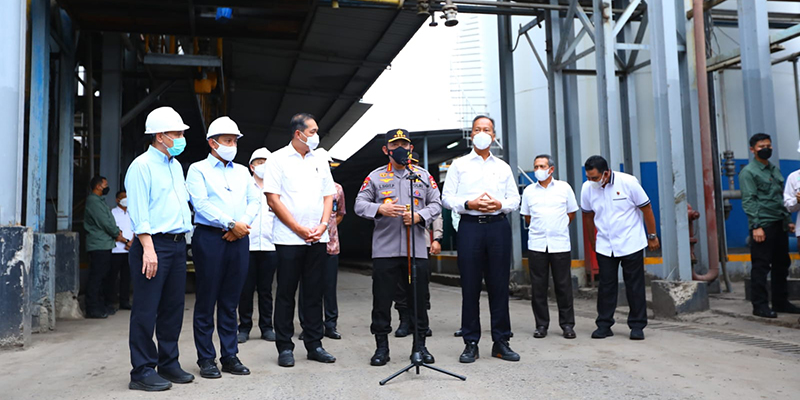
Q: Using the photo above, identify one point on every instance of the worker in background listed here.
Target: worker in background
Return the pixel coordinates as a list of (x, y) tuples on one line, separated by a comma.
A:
[(119, 257), (384, 198), (160, 217), (482, 188), (101, 233), (549, 206), (263, 260), (619, 208), (225, 203), (300, 190), (763, 200)]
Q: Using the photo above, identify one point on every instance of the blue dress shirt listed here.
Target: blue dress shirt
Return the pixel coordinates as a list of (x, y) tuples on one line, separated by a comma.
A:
[(222, 193)]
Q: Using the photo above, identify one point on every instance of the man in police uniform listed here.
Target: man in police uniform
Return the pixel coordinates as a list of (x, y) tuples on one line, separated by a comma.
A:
[(383, 198), (159, 208)]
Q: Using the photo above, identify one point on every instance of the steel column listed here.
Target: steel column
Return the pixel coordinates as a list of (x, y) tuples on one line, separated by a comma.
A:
[(608, 115), (555, 89), (629, 111), (111, 113), (66, 128), (39, 117), (669, 140), (509, 130), (759, 99), (796, 91)]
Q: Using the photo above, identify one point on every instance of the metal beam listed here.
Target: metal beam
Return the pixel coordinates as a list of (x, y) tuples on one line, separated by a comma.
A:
[(66, 129), (145, 102), (734, 56), (530, 25), (562, 45), (608, 115), (39, 115), (111, 112), (573, 42), (536, 53), (586, 22), (575, 57), (629, 107), (623, 19), (638, 39), (182, 60)]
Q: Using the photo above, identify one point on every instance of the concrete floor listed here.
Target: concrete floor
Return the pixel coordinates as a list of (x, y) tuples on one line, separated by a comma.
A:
[(89, 359)]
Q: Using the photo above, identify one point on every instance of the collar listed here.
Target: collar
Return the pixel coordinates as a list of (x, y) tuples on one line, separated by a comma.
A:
[(552, 182), (158, 155), (768, 165), (473, 154), (214, 161), (610, 181)]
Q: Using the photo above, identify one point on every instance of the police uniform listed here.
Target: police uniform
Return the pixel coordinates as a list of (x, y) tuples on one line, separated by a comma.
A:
[(389, 244)]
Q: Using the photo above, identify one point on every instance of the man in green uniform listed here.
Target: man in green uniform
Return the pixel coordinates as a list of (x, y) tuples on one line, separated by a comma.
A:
[(101, 234)]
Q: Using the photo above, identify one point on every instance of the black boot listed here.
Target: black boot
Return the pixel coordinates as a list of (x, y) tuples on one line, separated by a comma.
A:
[(381, 356), (405, 324), (427, 357)]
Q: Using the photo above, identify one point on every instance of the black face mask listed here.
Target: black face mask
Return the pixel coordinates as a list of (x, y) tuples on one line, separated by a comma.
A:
[(105, 190), (400, 155), (764, 153)]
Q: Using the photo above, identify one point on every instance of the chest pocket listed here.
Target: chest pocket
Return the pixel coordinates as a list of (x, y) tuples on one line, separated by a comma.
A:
[(620, 199), (767, 186)]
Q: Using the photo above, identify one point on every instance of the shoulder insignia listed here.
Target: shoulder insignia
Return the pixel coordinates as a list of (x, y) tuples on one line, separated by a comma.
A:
[(433, 182), (366, 183)]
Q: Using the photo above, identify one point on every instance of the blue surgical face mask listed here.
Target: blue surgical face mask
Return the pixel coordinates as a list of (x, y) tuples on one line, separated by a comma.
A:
[(177, 146)]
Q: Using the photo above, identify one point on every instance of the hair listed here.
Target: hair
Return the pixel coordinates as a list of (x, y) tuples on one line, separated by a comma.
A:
[(758, 137), (96, 180), (298, 122), (119, 193), (596, 162), (547, 156), (483, 116)]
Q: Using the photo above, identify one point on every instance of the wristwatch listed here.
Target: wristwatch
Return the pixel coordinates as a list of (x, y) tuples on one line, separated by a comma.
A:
[(651, 236), (438, 240), (466, 205), (231, 225), (324, 223)]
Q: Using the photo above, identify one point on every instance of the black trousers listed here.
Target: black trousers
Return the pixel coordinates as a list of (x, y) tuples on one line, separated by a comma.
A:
[(329, 303), (400, 303), (608, 289), (220, 270), (118, 280), (484, 254), (540, 265), (771, 255), (260, 275), (387, 273), (296, 264), (99, 266), (157, 306)]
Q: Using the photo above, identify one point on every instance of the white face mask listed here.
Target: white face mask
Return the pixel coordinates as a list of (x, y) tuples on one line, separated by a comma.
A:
[(259, 170), (228, 153), (482, 141), (542, 174), (599, 183), (312, 141), (123, 202)]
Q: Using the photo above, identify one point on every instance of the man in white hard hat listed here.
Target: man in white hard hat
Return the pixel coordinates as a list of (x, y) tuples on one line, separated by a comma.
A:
[(225, 204), (263, 260), (160, 217)]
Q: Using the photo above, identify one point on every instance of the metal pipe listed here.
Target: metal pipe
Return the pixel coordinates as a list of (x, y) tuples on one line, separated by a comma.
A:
[(796, 90), (705, 144), (89, 93)]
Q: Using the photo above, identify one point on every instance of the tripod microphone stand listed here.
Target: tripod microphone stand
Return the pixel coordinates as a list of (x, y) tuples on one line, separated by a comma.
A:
[(416, 355)]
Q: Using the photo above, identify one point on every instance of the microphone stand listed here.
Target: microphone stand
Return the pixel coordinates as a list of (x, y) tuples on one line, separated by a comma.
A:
[(416, 355)]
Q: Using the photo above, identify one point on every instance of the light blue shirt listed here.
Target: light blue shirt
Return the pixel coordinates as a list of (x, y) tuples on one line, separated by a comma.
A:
[(222, 193), (157, 198)]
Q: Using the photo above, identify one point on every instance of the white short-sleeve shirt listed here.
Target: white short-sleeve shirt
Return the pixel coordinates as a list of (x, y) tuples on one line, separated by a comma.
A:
[(617, 214), (302, 183), (548, 208)]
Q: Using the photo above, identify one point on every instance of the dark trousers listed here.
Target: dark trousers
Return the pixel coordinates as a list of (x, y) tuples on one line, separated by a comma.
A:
[(157, 305), (608, 289), (296, 264), (118, 280), (484, 254), (260, 275), (540, 265), (220, 270), (99, 266), (770, 255), (387, 273), (329, 303), (400, 303)]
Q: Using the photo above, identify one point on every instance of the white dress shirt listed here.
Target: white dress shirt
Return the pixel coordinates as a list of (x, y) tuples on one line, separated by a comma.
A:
[(221, 193), (261, 230), (124, 224), (302, 183), (790, 196), (617, 214), (471, 175), (548, 208)]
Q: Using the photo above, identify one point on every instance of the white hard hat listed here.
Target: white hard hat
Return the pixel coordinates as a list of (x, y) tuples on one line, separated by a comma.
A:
[(260, 153), (322, 153), (223, 126), (164, 119)]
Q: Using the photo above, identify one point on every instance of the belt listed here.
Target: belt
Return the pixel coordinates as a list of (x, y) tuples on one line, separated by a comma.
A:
[(173, 237), (483, 219)]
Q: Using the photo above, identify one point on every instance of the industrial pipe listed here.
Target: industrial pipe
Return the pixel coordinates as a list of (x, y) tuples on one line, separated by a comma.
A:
[(705, 144)]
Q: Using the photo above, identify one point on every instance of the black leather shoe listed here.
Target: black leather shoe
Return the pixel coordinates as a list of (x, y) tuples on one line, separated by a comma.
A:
[(381, 356), (765, 313), (403, 330), (319, 354), (602, 333), (787, 307), (470, 353), (97, 315), (637, 334), (333, 334), (111, 310), (302, 336), (286, 358), (268, 335), (458, 333), (243, 337), (208, 369), (427, 357), (124, 306), (501, 350), (175, 375), (569, 333), (429, 333), (151, 383), (232, 365), (540, 332)]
